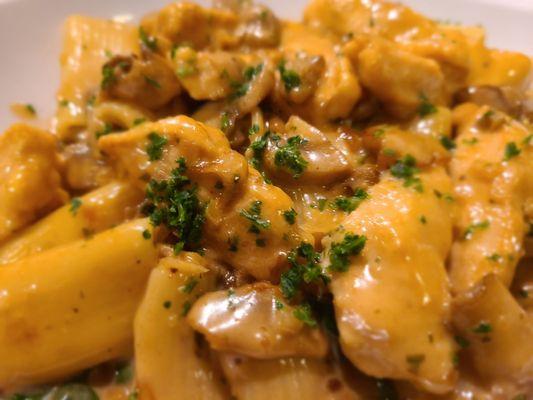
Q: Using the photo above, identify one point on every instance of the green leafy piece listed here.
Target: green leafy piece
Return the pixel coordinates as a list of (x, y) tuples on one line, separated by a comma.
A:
[(305, 269), (18, 396), (146, 234), (174, 203), (462, 341), (290, 216), (406, 169), (305, 314), (290, 78), (73, 391), (152, 82), (31, 109), (341, 252), (167, 304), (423, 219), (279, 304), (154, 149), (148, 41), (349, 204), (415, 360), (253, 214), (139, 121), (470, 141), (482, 328), (124, 374), (425, 107), (258, 148), (289, 156), (447, 142), (241, 88), (253, 130), (185, 308), (478, 226), (190, 285), (225, 122), (494, 257), (185, 70), (75, 204), (108, 76), (106, 130), (511, 151)]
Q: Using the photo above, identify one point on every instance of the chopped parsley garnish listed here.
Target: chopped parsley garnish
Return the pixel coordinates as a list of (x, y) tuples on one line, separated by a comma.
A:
[(289, 156), (470, 142), (148, 41), (527, 140), (258, 150), (253, 214), (482, 328), (64, 103), (462, 341), (290, 216), (304, 313), (241, 88), (31, 109), (185, 308), (174, 203), (124, 374), (478, 226), (152, 82), (511, 151), (108, 76), (139, 121), (447, 143), (278, 304), (186, 70), (154, 149), (494, 257), (253, 130), (415, 360), (290, 78), (406, 169), (75, 205), (189, 285), (425, 107), (520, 397), (260, 242), (341, 252), (349, 204), (225, 122), (106, 130), (305, 268), (423, 219), (146, 234)]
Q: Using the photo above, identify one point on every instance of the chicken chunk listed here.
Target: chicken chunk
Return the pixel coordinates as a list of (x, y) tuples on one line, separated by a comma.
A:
[(252, 320), (392, 302), (30, 184), (244, 220), (491, 171), (496, 332)]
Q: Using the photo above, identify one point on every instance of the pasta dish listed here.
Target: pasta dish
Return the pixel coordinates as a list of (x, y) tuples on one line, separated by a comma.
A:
[(231, 206)]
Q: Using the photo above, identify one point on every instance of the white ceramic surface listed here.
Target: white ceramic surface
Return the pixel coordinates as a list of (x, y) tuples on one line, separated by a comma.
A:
[(30, 36)]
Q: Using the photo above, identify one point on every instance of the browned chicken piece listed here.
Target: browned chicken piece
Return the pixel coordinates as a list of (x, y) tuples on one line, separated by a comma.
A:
[(148, 82), (207, 75), (258, 26), (392, 302), (401, 80), (285, 378), (495, 332), (522, 287), (505, 99), (244, 215), (491, 170), (30, 183), (254, 321)]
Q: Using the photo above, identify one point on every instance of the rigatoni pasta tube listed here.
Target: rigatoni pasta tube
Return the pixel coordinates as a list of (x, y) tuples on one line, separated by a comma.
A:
[(96, 211), (72, 307)]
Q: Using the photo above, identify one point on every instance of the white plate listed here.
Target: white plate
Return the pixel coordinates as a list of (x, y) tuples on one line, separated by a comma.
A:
[(30, 36)]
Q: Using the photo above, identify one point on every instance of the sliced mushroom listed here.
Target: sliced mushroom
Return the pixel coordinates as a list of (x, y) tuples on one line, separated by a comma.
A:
[(503, 99), (148, 82), (254, 321), (259, 26)]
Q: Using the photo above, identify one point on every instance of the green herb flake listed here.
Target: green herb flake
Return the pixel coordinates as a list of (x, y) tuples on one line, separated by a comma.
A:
[(278, 304), (167, 304), (64, 103), (305, 314), (462, 341), (148, 41), (241, 88), (511, 151), (253, 214), (190, 284), (225, 122), (447, 143), (470, 141), (152, 82), (289, 156), (349, 204), (341, 252), (423, 219), (106, 130), (186, 70), (139, 121), (108, 76), (185, 308), (425, 107), (254, 129), (31, 109), (406, 169), (124, 374), (482, 328), (75, 204), (478, 226), (414, 361), (494, 257), (146, 234), (290, 78), (258, 148), (290, 216), (154, 149)]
